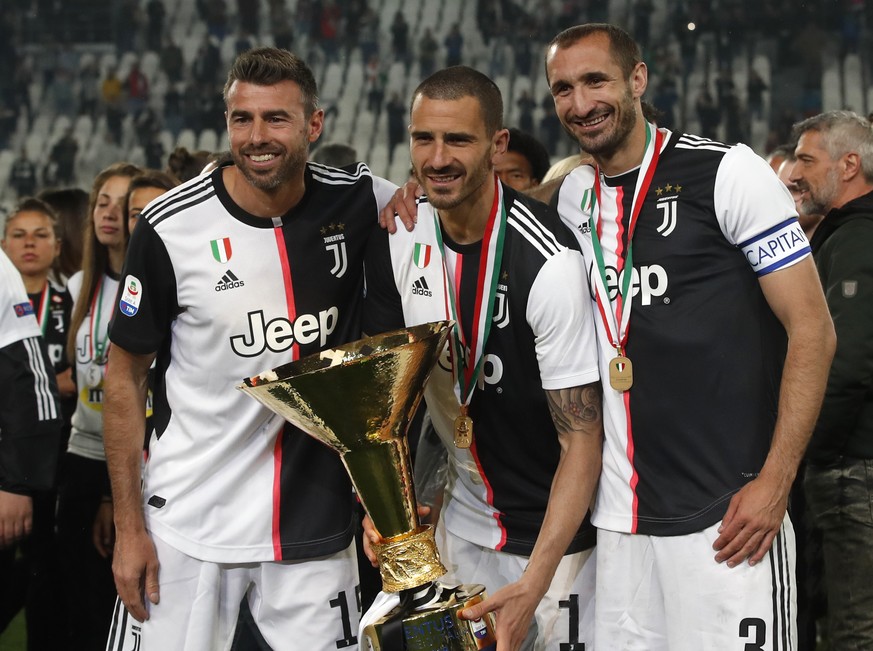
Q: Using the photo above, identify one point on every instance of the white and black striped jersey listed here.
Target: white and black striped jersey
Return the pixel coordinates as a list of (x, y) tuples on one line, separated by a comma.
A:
[(542, 337), (30, 420), (221, 295), (706, 349)]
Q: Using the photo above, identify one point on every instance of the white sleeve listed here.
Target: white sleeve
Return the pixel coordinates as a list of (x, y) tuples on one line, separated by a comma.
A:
[(17, 320), (383, 190), (756, 213), (559, 313)]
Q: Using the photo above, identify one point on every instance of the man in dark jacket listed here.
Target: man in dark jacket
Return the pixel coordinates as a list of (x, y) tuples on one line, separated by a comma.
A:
[(834, 172)]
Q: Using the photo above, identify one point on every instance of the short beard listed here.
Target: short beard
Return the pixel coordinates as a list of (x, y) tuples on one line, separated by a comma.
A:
[(270, 183), (821, 201), (612, 142)]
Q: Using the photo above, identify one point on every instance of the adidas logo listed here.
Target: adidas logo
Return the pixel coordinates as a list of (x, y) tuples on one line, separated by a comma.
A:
[(228, 281), (420, 288)]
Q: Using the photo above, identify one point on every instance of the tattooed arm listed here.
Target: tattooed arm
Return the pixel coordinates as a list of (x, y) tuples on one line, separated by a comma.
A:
[(577, 414)]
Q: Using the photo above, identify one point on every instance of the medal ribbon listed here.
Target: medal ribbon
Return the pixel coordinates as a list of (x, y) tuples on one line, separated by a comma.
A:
[(465, 369), (43, 309), (617, 322), (97, 347)]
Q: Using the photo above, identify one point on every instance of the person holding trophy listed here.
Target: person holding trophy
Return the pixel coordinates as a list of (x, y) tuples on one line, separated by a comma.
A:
[(515, 396), (254, 265)]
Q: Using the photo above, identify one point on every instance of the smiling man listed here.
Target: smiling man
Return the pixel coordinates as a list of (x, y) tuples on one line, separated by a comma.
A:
[(249, 267), (515, 397), (714, 347), (834, 173)]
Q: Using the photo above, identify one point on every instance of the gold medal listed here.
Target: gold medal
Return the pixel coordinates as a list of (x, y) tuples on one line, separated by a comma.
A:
[(621, 373), (463, 429)]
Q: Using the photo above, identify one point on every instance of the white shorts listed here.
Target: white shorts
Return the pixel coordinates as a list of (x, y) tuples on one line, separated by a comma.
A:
[(563, 621), (313, 604), (667, 592)]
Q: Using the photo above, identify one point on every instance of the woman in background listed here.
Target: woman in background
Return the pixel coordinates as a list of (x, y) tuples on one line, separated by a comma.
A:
[(85, 528)]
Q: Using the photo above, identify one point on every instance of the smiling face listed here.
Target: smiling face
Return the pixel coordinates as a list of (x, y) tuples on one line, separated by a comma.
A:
[(595, 102), (451, 150), (269, 132), (109, 211), (31, 243)]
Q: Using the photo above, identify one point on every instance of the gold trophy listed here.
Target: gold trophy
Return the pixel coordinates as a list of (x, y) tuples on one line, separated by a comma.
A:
[(358, 399)]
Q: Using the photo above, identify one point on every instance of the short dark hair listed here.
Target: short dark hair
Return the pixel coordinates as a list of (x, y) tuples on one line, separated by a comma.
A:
[(266, 66), (622, 46), (457, 82), (335, 154), (532, 149)]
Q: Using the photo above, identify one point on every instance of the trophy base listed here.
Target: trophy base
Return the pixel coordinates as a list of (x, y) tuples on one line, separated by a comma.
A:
[(437, 627)]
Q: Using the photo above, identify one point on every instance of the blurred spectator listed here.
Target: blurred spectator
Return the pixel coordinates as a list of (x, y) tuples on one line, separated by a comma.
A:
[(89, 88), (708, 114), (335, 154), (154, 151), (63, 159), (428, 49), (249, 15), (172, 60), (368, 34), (22, 176), (71, 207), (526, 105), (137, 87), (207, 63), (454, 43), (400, 37), (216, 18), (185, 165), (397, 121), (755, 87), (374, 84), (155, 12), (329, 27)]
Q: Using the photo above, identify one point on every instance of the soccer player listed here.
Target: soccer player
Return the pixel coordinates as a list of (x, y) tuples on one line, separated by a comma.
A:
[(715, 343), (515, 397), (254, 265)]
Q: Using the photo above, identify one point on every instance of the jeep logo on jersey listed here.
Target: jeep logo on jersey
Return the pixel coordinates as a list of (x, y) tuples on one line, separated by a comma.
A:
[(649, 281), (334, 243), (221, 250), (491, 373), (280, 334)]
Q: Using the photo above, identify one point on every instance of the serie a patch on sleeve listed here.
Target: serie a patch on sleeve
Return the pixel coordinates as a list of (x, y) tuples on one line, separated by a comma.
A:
[(131, 296), (777, 247), (23, 309)]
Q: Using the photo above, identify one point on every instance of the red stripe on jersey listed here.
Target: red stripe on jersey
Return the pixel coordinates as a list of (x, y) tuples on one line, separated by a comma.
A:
[(489, 495), (635, 478), (295, 355)]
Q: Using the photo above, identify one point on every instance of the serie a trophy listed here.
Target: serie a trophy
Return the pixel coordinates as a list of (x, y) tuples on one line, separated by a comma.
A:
[(359, 399)]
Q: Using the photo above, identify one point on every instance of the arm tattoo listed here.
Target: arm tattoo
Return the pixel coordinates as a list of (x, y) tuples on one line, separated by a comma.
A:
[(576, 408)]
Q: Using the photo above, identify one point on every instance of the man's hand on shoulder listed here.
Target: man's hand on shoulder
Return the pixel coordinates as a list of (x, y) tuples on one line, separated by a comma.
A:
[(403, 207)]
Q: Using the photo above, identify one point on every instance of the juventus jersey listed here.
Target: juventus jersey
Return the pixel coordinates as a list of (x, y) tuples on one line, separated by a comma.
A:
[(706, 349), (221, 295), (542, 337), (29, 414)]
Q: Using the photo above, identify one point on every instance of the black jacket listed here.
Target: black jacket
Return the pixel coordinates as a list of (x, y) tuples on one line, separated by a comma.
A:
[(843, 250)]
